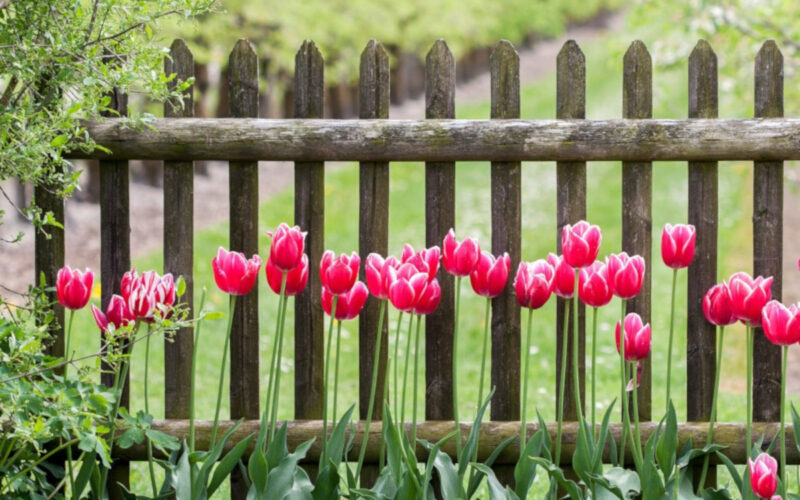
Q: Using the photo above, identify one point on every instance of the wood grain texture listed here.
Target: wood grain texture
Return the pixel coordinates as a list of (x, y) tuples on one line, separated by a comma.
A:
[(768, 231), (49, 258), (440, 216), (449, 140), (243, 196), (637, 193), (309, 214), (179, 240), (570, 208)]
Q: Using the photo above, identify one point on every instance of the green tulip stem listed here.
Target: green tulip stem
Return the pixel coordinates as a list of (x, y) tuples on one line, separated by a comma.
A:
[(323, 459), (562, 379), (68, 357), (483, 354), (623, 392), (274, 360), (336, 369), (414, 396), (456, 421), (407, 353), (594, 363), (150, 466), (523, 428), (576, 381), (784, 478), (636, 440), (231, 309), (373, 387), (748, 430), (195, 350), (276, 387), (713, 418), (396, 379), (671, 331)]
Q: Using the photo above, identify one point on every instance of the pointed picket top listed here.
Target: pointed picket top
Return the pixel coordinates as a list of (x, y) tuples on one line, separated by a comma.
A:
[(637, 82), (769, 81), (703, 87), (309, 88), (374, 81), (440, 82), (243, 80), (570, 81), (504, 70)]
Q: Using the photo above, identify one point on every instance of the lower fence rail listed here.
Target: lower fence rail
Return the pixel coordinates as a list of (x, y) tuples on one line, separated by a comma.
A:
[(492, 433)]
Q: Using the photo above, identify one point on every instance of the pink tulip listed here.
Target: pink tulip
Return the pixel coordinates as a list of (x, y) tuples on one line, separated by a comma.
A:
[(296, 279), (749, 296), (594, 288), (348, 304), (677, 245), (580, 243), (381, 273), (405, 293), (626, 274), (233, 273), (637, 338), (763, 475), (426, 260), (564, 281), (74, 288), (460, 259), (781, 324), (717, 305), (490, 275), (148, 293), (533, 283), (288, 243), (338, 274), (429, 299), (117, 314)]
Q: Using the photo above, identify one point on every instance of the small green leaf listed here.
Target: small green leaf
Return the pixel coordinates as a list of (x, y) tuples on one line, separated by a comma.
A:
[(668, 443)]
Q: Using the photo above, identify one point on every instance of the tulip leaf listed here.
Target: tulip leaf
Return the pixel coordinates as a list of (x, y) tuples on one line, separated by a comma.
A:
[(228, 462), (582, 458), (394, 449), (476, 480), (327, 484), (602, 438), (496, 490), (472, 441), (668, 443), (732, 470), (571, 487), (721, 494), (525, 470), (277, 449), (796, 425)]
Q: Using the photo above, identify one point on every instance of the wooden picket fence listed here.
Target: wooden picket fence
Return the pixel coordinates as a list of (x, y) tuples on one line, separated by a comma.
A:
[(440, 141)]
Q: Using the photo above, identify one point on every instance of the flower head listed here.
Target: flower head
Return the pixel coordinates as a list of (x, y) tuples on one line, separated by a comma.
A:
[(286, 250), (73, 287), (460, 259), (533, 283), (233, 273), (490, 275), (677, 245), (637, 338), (580, 243), (348, 304)]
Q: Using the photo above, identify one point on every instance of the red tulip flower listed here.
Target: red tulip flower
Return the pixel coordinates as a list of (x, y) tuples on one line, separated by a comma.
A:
[(763, 475), (338, 274), (74, 288), (626, 274), (286, 250), (348, 304), (381, 273), (148, 293), (594, 288), (460, 259), (426, 259), (749, 296), (533, 283), (405, 292), (637, 338), (564, 281), (233, 273), (677, 245), (490, 275), (117, 314), (296, 279), (429, 299), (781, 324), (717, 306), (580, 244)]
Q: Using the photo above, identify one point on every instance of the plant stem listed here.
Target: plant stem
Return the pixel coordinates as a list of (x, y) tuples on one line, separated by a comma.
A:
[(273, 359), (194, 371), (35, 464), (68, 355), (784, 479), (671, 330), (150, 467), (594, 363), (636, 440), (231, 308), (276, 387), (623, 382), (323, 459), (396, 364), (523, 428), (713, 417), (416, 377), (483, 354), (748, 438), (576, 382), (562, 382), (336, 368), (407, 353), (373, 387), (455, 370)]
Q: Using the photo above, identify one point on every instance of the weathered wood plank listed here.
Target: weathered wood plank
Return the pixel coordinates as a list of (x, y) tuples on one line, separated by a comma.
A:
[(243, 196), (179, 240), (637, 192), (492, 433), (570, 208), (309, 214), (449, 140), (440, 216), (768, 231), (49, 258)]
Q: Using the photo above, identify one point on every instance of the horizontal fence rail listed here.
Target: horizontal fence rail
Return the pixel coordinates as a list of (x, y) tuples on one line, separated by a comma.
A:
[(448, 140)]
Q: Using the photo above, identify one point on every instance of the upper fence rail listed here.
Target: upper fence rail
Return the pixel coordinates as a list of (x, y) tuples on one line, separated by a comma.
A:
[(251, 139)]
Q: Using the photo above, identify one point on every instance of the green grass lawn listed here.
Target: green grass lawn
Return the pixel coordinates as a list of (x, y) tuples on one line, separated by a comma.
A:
[(473, 218)]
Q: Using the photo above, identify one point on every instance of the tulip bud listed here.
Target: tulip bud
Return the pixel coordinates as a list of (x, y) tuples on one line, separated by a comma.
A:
[(460, 259), (405, 293), (781, 324), (677, 245), (339, 274), (429, 299), (580, 243), (717, 305), (296, 279), (74, 288), (763, 475), (348, 304), (594, 289), (426, 260), (637, 338), (117, 314), (490, 275), (233, 273), (749, 296), (286, 250), (625, 274), (564, 280), (381, 273), (533, 283)]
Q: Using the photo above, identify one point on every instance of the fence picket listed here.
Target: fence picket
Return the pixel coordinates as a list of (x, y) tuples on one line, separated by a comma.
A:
[(49, 258), (768, 231), (178, 240), (243, 196), (440, 216), (637, 192)]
